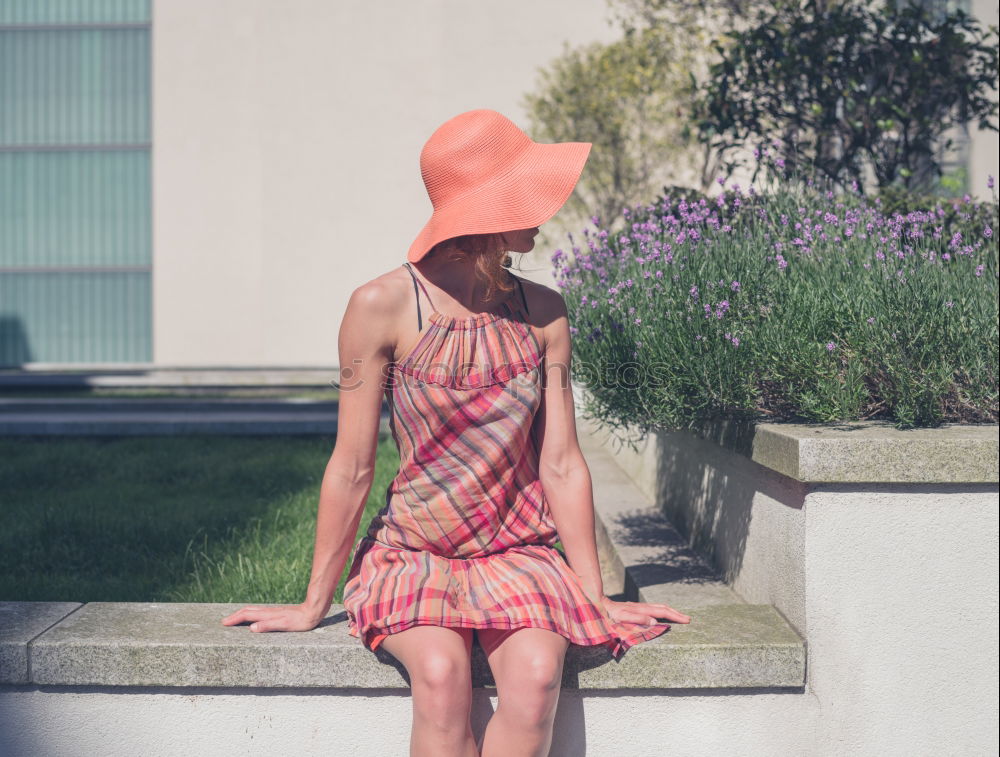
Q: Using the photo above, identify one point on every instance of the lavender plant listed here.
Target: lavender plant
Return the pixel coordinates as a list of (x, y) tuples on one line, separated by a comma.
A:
[(792, 303)]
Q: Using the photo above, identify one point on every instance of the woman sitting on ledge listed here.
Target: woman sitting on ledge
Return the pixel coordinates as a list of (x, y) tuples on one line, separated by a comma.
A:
[(491, 474)]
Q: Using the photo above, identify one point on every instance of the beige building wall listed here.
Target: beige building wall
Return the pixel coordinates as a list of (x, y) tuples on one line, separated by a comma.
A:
[(286, 142), (984, 147), (286, 148)]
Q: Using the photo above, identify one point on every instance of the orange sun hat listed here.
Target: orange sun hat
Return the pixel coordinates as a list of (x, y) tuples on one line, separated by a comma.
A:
[(484, 175)]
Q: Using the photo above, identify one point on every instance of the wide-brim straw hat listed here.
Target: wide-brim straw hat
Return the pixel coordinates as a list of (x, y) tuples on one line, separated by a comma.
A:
[(484, 175)]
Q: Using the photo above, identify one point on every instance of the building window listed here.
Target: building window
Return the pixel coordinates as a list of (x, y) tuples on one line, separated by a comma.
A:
[(75, 184)]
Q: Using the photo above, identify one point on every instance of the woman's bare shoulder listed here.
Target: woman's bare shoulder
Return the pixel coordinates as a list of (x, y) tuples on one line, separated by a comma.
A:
[(547, 311), (545, 304), (375, 306), (386, 291)]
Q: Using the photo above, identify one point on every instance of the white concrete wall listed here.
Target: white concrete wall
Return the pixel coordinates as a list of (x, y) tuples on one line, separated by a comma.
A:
[(286, 146), (164, 723), (901, 590)]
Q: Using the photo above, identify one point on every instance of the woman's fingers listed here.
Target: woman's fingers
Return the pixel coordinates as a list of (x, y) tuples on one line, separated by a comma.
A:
[(666, 611), (636, 617), (238, 617), (248, 614), (268, 624), (648, 613), (281, 618)]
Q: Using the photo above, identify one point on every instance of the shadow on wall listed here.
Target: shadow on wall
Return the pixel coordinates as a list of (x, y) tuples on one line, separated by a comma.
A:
[(707, 492)]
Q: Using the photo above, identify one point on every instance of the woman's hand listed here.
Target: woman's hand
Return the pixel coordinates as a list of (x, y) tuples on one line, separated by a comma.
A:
[(645, 613), (282, 618)]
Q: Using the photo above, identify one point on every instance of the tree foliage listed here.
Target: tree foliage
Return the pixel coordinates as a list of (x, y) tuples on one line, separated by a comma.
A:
[(632, 99), (846, 87)]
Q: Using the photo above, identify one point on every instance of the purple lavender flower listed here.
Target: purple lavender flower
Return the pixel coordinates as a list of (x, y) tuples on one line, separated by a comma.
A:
[(830, 346)]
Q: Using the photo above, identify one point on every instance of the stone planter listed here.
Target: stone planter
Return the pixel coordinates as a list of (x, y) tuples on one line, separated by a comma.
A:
[(878, 546)]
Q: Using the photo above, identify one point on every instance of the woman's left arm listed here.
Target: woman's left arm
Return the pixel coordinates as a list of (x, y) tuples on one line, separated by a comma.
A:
[(564, 474)]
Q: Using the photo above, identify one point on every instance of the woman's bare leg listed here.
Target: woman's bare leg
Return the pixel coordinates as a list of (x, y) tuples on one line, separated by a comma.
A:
[(527, 665), (439, 663)]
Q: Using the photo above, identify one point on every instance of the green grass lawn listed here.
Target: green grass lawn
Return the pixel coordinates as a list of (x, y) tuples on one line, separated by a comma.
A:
[(165, 518)]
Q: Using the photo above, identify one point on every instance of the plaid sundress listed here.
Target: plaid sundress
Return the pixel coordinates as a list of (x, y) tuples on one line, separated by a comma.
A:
[(466, 538)]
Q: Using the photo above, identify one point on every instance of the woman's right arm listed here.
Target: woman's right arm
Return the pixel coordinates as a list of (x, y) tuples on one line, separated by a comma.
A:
[(365, 344)]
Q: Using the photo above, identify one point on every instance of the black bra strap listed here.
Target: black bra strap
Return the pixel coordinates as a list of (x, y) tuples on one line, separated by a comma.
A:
[(416, 293)]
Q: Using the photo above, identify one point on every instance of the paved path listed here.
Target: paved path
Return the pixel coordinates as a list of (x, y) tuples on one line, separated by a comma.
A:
[(106, 416), (83, 377)]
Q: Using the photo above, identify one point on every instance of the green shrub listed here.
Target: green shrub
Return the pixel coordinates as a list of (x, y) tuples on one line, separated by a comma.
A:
[(792, 304)]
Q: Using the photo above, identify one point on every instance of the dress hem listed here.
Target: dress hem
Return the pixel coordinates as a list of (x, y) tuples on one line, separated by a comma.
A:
[(615, 644)]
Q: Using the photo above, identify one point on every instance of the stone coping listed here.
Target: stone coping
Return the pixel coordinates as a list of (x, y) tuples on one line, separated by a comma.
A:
[(728, 645), (185, 645), (865, 451)]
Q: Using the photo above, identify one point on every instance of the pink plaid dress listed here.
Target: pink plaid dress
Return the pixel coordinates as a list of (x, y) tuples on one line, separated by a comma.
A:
[(466, 537)]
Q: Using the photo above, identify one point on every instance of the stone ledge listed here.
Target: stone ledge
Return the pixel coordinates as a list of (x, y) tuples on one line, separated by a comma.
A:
[(20, 622), (152, 644), (865, 451)]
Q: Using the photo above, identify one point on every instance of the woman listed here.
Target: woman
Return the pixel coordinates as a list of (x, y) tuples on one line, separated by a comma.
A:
[(475, 364)]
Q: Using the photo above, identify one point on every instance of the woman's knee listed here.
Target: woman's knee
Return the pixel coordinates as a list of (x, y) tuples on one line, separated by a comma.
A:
[(531, 687), (540, 672), (441, 686), (529, 658), (434, 657), (440, 668)]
